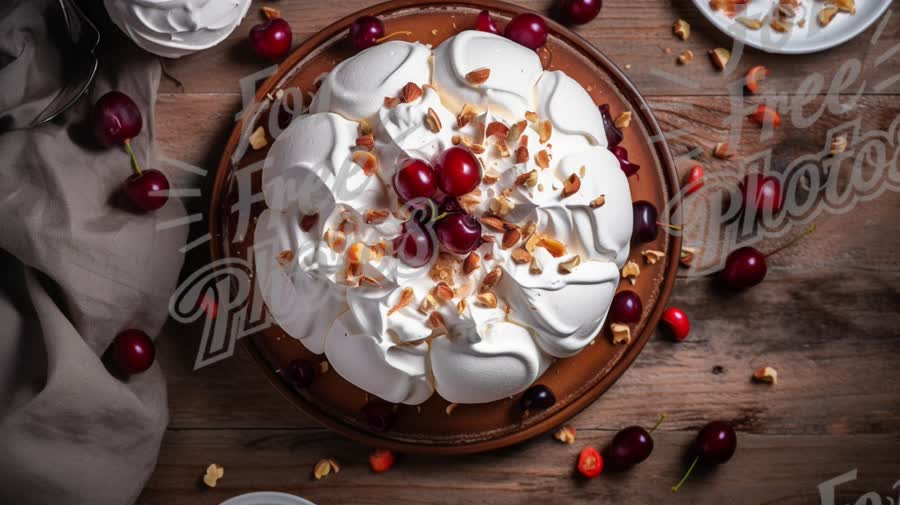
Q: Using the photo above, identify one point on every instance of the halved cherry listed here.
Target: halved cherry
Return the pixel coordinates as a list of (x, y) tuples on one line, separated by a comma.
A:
[(754, 75), (590, 462), (694, 180), (766, 116), (381, 460)]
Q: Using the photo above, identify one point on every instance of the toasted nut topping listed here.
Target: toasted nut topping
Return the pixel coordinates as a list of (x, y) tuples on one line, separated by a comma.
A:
[(566, 435), (502, 148), (516, 131), (470, 200), (720, 57), (496, 129), (367, 161), (545, 130), (410, 93), (843, 5), (571, 185), (682, 29), (376, 216), (473, 261), (335, 240), (521, 256), (258, 138), (285, 258), (324, 467), (535, 266), (391, 102), (723, 151), (478, 76), (652, 256), (364, 128), (686, 57), (531, 116), (490, 176), (567, 267), (436, 320), (366, 142), (624, 119), (501, 205), (687, 256), (787, 11), (529, 228), (356, 253), (599, 201), (621, 333), (365, 280), (511, 237), (487, 299), (751, 23), (477, 148), (529, 179), (631, 271), (427, 304), (406, 297), (491, 279), (839, 144), (450, 408), (443, 292), (466, 115), (270, 12), (432, 121), (456, 140), (779, 26), (766, 374), (213, 473), (532, 242), (521, 154), (461, 306), (553, 246), (494, 223), (827, 14), (324, 367), (542, 159)]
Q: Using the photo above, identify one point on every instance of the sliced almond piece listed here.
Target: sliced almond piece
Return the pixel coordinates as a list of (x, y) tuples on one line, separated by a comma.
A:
[(545, 130), (270, 12), (466, 115), (496, 129), (839, 144), (487, 299), (569, 266), (258, 138), (631, 271), (521, 256), (621, 333), (720, 57), (325, 467), (410, 93), (432, 121), (624, 119), (461, 306), (364, 128), (553, 246), (443, 292), (379, 216), (766, 374), (428, 304), (529, 179), (391, 102), (598, 202), (686, 57), (566, 435), (436, 321), (751, 23), (478, 76), (571, 185), (652, 256), (723, 151), (531, 116), (501, 205), (843, 5), (827, 14), (407, 296), (491, 279), (542, 159), (522, 154), (516, 130), (511, 237), (681, 29), (535, 267), (490, 176), (335, 240), (212, 475), (494, 223)]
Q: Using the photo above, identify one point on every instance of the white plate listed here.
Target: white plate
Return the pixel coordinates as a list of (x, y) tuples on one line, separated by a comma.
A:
[(809, 39), (266, 498)]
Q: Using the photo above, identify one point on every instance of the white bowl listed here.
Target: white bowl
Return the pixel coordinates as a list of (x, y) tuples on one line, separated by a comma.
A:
[(266, 498)]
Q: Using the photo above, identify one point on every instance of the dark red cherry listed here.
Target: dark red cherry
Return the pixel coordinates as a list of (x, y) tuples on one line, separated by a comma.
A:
[(622, 155), (146, 190), (629, 447), (579, 12), (537, 397), (299, 373), (365, 32), (614, 135), (415, 245), (626, 307), (529, 30), (379, 415), (116, 119), (761, 193), (133, 351), (459, 233), (715, 444), (271, 39), (485, 23), (744, 268), (675, 323), (644, 225), (415, 180), (458, 171)]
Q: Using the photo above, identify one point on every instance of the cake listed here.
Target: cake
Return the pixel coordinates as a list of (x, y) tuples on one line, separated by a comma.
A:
[(471, 321)]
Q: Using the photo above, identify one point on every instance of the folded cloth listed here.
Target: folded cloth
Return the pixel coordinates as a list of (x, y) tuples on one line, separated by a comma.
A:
[(76, 269)]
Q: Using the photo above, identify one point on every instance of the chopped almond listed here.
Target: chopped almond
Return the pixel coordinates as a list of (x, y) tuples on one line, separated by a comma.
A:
[(376, 216), (766, 116), (407, 296), (754, 75), (686, 57), (391, 102), (553, 246), (511, 237), (478, 76), (443, 292), (531, 117), (285, 258), (652, 256), (631, 271), (571, 185), (461, 306), (516, 131), (410, 93), (335, 240), (473, 261), (212, 475), (496, 129), (270, 12), (720, 57), (432, 121), (366, 161), (529, 179), (682, 29), (258, 138), (723, 151), (535, 266), (436, 320), (766, 374), (624, 119), (542, 159), (566, 435), (491, 279), (521, 256), (569, 266), (487, 299), (621, 333), (324, 467), (545, 130), (598, 202)]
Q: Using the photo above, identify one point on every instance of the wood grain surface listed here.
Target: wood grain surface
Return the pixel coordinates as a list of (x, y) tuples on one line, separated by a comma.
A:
[(827, 317)]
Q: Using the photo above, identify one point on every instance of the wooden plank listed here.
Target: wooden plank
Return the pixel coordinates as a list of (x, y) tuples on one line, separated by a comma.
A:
[(765, 469), (633, 33)]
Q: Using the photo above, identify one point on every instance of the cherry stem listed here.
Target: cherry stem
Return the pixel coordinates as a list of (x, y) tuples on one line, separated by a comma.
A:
[(134, 163), (669, 226), (392, 35), (684, 479), (794, 240), (662, 417), (439, 217)]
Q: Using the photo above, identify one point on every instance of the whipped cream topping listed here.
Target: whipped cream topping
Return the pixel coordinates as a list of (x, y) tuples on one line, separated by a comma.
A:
[(336, 287), (174, 28)]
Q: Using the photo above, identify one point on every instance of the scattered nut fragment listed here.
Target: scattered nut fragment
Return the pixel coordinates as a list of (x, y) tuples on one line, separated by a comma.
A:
[(494, 223), (751, 23), (258, 138), (521, 256), (491, 279), (566, 435), (631, 271), (571, 185), (542, 159), (410, 93), (324, 367), (766, 374), (466, 115), (723, 151), (373, 216), (443, 292), (335, 240), (779, 26), (470, 200), (461, 306), (450, 408), (686, 57), (720, 57), (367, 161), (529, 179), (624, 119), (391, 102), (531, 117), (285, 258), (428, 304), (488, 299), (511, 237), (786, 11), (687, 256), (478, 76), (516, 130), (827, 14), (598, 202), (545, 130), (436, 321), (839, 144), (501, 205), (213, 473), (652, 256), (496, 129), (621, 333), (535, 266), (357, 252), (432, 121), (682, 29), (490, 176), (843, 5), (366, 142), (270, 12), (567, 267), (406, 297), (324, 467), (553, 246)]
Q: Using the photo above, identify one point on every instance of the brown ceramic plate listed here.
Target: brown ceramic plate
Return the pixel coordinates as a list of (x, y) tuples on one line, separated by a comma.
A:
[(576, 381)]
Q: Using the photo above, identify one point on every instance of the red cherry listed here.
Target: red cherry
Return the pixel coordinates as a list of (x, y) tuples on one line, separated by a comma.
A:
[(676, 323), (133, 351), (744, 268), (272, 39), (715, 444), (626, 307), (143, 188), (613, 133), (579, 12), (365, 32), (629, 447), (527, 29), (458, 171), (590, 463), (644, 227), (694, 180), (459, 233), (415, 245), (116, 119), (381, 460), (415, 180), (622, 155), (761, 193), (485, 23)]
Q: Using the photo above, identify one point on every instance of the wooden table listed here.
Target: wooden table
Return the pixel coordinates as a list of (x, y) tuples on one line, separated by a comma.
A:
[(826, 317)]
